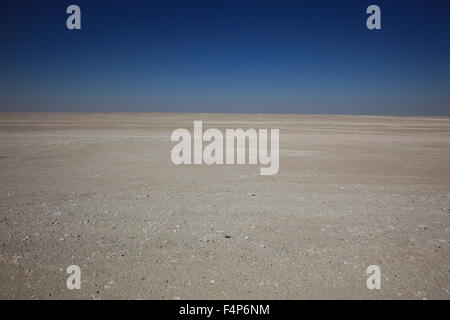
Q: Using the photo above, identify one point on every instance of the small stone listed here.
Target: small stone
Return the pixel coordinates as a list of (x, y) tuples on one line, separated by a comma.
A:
[(16, 259), (109, 284)]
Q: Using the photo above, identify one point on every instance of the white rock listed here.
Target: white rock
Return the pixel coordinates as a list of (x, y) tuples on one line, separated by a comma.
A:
[(109, 284)]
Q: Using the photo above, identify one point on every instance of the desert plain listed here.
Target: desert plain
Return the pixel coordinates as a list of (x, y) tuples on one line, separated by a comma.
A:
[(100, 191)]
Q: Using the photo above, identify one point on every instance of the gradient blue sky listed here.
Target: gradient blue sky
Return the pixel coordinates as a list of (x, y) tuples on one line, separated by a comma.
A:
[(226, 56)]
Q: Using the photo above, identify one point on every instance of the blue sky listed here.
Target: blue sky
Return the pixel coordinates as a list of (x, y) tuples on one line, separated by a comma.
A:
[(226, 56)]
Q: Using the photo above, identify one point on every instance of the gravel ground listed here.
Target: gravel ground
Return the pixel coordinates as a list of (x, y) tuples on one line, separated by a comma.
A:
[(99, 191)]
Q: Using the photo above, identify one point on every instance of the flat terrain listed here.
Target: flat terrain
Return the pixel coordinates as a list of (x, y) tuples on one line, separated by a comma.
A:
[(100, 191)]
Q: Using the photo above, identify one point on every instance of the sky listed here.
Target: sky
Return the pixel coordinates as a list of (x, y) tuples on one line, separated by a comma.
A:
[(305, 57)]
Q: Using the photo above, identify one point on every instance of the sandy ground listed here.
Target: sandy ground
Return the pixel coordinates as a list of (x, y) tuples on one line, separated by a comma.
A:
[(99, 191)]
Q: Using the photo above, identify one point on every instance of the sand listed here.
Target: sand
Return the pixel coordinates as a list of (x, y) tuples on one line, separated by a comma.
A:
[(99, 191)]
